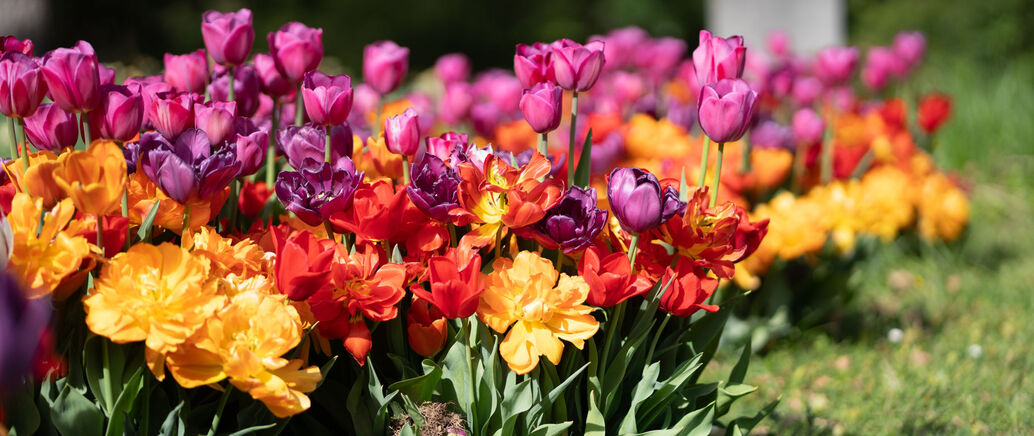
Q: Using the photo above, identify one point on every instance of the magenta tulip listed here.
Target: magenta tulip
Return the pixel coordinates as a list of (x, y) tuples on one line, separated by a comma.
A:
[(725, 109), (454, 106), (245, 88), (296, 49), (228, 36), (72, 79), (119, 116), (216, 119), (51, 128), (910, 47), (576, 66), (147, 87), (384, 65), (500, 89), (328, 99), (187, 72), (273, 83), (10, 44), (171, 113), (622, 45), (660, 57), (22, 86), (402, 133), (805, 90), (452, 68), (718, 58), (880, 64), (542, 106), (251, 142), (533, 64), (808, 127), (834, 65)]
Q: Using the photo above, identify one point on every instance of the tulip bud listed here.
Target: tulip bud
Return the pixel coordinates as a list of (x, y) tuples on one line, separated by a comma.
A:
[(22, 86), (542, 106), (10, 44), (533, 64), (834, 65), (51, 128), (638, 202), (228, 36), (426, 328), (187, 72), (171, 113), (880, 64), (576, 66), (273, 83), (216, 118), (808, 127), (119, 116), (725, 109), (296, 49), (72, 79), (105, 75), (718, 58), (328, 99), (384, 65), (934, 110), (402, 133), (452, 68)]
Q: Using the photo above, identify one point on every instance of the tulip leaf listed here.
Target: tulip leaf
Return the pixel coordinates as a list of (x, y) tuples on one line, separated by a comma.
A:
[(616, 370), (516, 404), (413, 411), (683, 186), (419, 388), (104, 364), (582, 173), (595, 423), (551, 429), (744, 424), (739, 371), (254, 429), (125, 403), (72, 413), (695, 423), (22, 414), (144, 232), (665, 391)]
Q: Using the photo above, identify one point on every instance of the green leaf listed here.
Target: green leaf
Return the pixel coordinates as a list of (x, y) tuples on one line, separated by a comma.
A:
[(696, 423), (250, 430), (421, 387), (103, 364), (516, 403), (72, 413), (745, 424), (414, 412), (666, 390), (739, 371), (408, 430), (730, 394), (22, 415), (595, 423), (683, 187), (125, 402), (145, 226), (325, 370), (616, 370), (551, 429), (582, 173), (173, 424)]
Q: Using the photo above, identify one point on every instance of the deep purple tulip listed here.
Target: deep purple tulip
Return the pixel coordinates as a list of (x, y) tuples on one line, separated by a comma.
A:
[(452, 68), (385, 64), (131, 151), (533, 64), (305, 145), (273, 83), (542, 106), (770, 134), (638, 202), (22, 86), (187, 72), (718, 58), (572, 224), (576, 66), (402, 133), (72, 79), (454, 106), (245, 88), (808, 127), (910, 47), (328, 99), (296, 49), (51, 128), (834, 65), (251, 143), (216, 119), (10, 44), (313, 194), (725, 109), (171, 113), (228, 36), (119, 116), (805, 90), (432, 187), (23, 322), (661, 56), (187, 169)]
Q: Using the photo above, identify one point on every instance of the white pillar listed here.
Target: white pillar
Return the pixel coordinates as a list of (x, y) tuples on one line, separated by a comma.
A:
[(811, 24)]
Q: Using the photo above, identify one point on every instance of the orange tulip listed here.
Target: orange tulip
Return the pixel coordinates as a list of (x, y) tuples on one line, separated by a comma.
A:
[(426, 328), (94, 179), (55, 261), (38, 180)]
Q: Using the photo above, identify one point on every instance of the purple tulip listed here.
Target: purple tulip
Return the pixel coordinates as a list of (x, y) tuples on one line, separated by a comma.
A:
[(23, 322), (171, 113), (216, 119), (119, 116), (187, 169), (725, 109), (834, 65), (606, 153), (245, 88), (533, 64), (228, 36), (22, 86), (770, 134), (910, 47), (542, 106), (384, 65), (305, 145), (251, 143), (273, 83), (718, 58), (402, 133), (296, 49), (454, 106), (452, 68), (683, 115), (660, 57), (328, 99), (572, 224), (622, 45), (313, 194), (10, 44), (638, 202), (432, 187), (808, 127), (131, 151), (880, 64), (805, 90), (51, 128), (187, 72), (72, 79), (576, 66)]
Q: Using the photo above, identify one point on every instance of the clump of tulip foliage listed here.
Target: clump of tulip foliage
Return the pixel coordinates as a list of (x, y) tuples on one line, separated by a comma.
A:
[(246, 242)]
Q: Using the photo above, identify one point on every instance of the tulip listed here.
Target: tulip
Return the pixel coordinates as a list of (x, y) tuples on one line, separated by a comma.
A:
[(638, 202), (384, 65), (22, 85), (485, 117), (94, 179), (778, 42), (452, 68), (542, 106), (296, 49), (426, 328), (187, 169), (216, 119), (805, 90), (718, 58), (119, 116), (688, 291), (808, 127), (572, 224), (273, 82), (246, 88), (456, 283), (171, 113), (51, 128), (443, 147), (725, 109), (576, 66), (253, 198), (433, 187), (622, 45), (228, 36), (610, 278), (131, 151), (500, 89), (328, 99), (934, 110), (10, 44), (305, 146), (455, 103), (105, 75), (402, 133), (880, 64), (533, 64), (147, 88), (23, 322), (187, 72), (72, 79), (314, 193), (660, 57), (770, 134), (910, 46), (834, 65), (302, 263), (251, 143)]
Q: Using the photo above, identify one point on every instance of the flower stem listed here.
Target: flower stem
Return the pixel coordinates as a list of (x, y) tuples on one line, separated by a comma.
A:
[(612, 328), (468, 325), (452, 235), (84, 122), (704, 156), (660, 331), (827, 148), (219, 410), (799, 155), (570, 146), (330, 230), (498, 241), (543, 140), (15, 151), (230, 77), (25, 145), (377, 121), (271, 148), (745, 157), (235, 195), (186, 225), (632, 251), (100, 233), (717, 174), (405, 169), (560, 259), (107, 388), (299, 106), (326, 150)]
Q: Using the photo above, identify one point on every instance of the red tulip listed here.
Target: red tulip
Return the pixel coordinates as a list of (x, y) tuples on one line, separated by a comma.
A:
[(610, 279), (456, 283), (254, 196), (302, 265), (690, 289), (171, 113), (934, 110)]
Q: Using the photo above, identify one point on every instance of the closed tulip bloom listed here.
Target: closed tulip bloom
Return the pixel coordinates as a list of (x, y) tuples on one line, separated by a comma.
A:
[(910, 47), (880, 64), (22, 86), (273, 82), (251, 143), (105, 75), (216, 119), (834, 65), (10, 44), (725, 109), (533, 64), (171, 113), (328, 99), (72, 79), (314, 193), (296, 49), (246, 88), (51, 128), (432, 188), (187, 169), (934, 110), (542, 106), (500, 89), (576, 66), (452, 68), (385, 64), (426, 328), (805, 90), (147, 87), (187, 72), (94, 179), (402, 133), (622, 45), (119, 116), (572, 224), (718, 58), (305, 145), (808, 126), (661, 56), (638, 201), (228, 35), (455, 103)]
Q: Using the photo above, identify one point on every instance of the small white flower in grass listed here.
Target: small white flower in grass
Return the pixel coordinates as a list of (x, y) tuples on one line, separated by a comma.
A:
[(975, 351), (895, 335)]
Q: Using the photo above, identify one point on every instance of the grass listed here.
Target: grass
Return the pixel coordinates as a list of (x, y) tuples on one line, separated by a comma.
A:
[(962, 363)]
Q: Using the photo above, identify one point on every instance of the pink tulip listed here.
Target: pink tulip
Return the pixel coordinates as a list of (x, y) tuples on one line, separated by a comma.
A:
[(805, 90), (500, 88), (910, 47), (119, 116), (51, 128), (622, 45), (659, 57), (576, 66), (628, 87), (880, 64), (455, 103), (328, 99), (10, 44), (171, 113), (542, 106), (533, 64), (453, 67), (402, 133), (22, 86), (273, 83), (834, 65), (778, 43), (718, 58), (251, 143), (296, 49), (72, 79), (385, 65), (725, 109), (228, 36), (808, 127), (187, 72), (217, 119), (245, 88), (147, 87), (364, 100)]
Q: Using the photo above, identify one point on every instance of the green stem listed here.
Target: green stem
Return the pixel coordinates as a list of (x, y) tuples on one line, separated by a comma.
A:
[(632, 251), (405, 169), (25, 146), (560, 259), (235, 195), (612, 329), (186, 225), (498, 241), (543, 140), (452, 234), (299, 106), (468, 325), (863, 164), (570, 146), (125, 214), (230, 77), (717, 174), (703, 161), (745, 157), (330, 230), (219, 410), (107, 388), (271, 148), (827, 148), (653, 344), (145, 420), (14, 139), (84, 123), (377, 121), (326, 149)]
